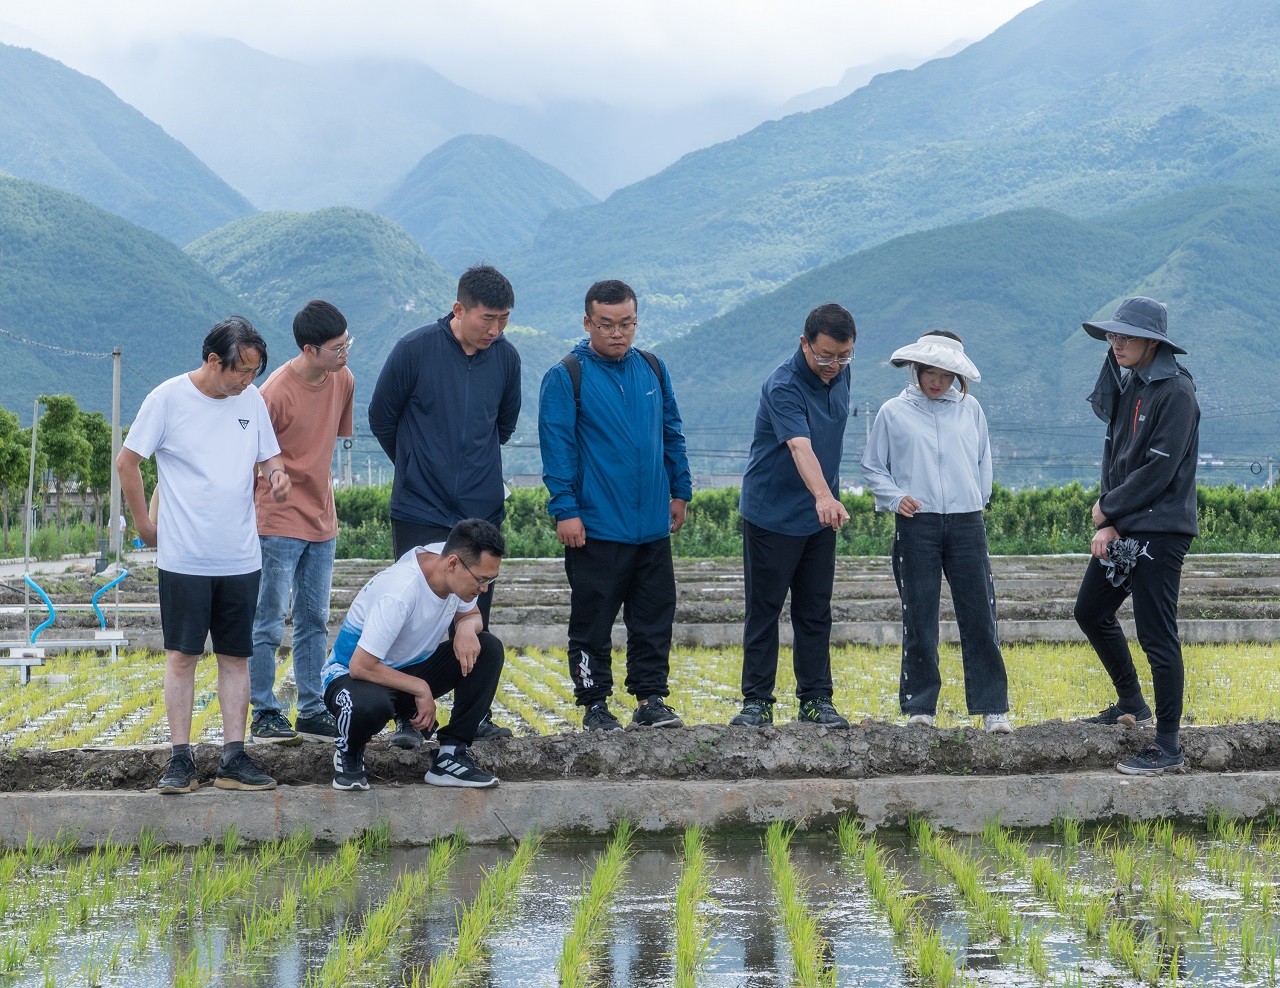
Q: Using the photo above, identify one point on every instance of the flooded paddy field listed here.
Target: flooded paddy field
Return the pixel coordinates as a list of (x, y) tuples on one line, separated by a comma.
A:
[(1124, 904)]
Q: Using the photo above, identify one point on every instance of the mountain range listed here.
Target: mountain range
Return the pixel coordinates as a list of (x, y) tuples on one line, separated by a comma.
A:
[(67, 130)]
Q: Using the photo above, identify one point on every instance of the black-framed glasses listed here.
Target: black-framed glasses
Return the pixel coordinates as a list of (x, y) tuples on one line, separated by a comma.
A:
[(829, 361), (340, 351), (480, 584), (621, 328)]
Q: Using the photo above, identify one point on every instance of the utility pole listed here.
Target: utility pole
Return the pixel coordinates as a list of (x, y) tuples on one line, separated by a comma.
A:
[(114, 535), (29, 521)]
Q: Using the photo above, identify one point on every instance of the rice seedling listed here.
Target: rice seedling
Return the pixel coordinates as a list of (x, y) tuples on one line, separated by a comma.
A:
[(693, 928), (591, 915), (493, 901), (929, 958), (353, 953), (809, 947)]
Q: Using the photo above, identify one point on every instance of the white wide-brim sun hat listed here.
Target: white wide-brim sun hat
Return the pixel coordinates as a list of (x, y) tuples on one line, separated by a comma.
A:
[(937, 351)]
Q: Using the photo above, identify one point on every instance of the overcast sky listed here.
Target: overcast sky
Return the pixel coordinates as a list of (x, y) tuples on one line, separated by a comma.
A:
[(639, 53)]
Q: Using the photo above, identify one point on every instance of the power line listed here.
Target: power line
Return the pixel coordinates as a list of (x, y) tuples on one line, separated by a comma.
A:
[(53, 348)]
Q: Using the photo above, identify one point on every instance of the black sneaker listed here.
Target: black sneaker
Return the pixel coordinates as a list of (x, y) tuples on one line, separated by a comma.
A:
[(1154, 761), (654, 712), (348, 773), (407, 736), (320, 726), (755, 713), (489, 731), (271, 725), (599, 718), (458, 770), (241, 773), (179, 775), (1114, 715), (821, 711)]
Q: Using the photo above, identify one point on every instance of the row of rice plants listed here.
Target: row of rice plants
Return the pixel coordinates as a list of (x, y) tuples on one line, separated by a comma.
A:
[(992, 910), (590, 922), (693, 925), (809, 948), (927, 955)]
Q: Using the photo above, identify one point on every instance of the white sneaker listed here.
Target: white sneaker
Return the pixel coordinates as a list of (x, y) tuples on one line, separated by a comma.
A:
[(920, 720), (996, 724)]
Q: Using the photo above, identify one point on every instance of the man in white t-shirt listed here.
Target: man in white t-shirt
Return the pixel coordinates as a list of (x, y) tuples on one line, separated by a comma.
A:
[(209, 431), (414, 633)]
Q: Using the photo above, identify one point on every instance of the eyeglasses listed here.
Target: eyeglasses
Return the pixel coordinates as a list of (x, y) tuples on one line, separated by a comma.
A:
[(339, 351), (1118, 339), (829, 361), (617, 328), (244, 373), (480, 584)]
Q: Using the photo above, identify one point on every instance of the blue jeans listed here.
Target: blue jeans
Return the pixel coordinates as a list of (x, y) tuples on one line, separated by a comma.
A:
[(306, 568), (924, 548)]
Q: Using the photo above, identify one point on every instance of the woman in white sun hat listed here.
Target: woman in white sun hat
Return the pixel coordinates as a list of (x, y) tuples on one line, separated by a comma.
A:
[(929, 461)]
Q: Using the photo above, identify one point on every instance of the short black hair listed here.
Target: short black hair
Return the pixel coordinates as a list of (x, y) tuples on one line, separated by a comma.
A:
[(471, 538), (610, 292), (831, 319), (944, 332), (230, 338), (317, 323), (485, 285)]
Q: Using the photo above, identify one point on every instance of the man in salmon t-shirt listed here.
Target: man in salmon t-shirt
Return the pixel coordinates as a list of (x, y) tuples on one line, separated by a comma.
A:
[(309, 400)]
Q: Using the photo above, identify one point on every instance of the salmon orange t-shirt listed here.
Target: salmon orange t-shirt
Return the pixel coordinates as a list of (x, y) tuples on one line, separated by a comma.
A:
[(308, 419)]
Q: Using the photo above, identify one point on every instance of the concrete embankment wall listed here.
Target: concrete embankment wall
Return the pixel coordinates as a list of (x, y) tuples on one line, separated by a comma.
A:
[(418, 814)]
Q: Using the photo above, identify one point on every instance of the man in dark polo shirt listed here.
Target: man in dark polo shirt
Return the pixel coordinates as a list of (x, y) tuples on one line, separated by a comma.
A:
[(791, 511)]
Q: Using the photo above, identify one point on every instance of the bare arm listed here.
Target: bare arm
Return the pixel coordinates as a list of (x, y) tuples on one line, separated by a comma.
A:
[(831, 513), (277, 477), (466, 639), (128, 466), (372, 669)]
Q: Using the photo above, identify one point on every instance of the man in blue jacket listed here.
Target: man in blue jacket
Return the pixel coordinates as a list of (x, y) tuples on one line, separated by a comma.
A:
[(446, 401), (613, 460)]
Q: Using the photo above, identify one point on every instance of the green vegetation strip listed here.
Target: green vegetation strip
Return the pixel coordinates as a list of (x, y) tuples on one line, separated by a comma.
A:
[(809, 948), (591, 915), (693, 926)]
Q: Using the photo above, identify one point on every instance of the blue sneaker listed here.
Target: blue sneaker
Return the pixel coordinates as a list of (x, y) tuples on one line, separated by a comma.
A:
[(1154, 761)]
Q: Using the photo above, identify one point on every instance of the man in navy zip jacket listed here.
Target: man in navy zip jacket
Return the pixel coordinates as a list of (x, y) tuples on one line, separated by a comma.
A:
[(1144, 520), (446, 401), (613, 460)]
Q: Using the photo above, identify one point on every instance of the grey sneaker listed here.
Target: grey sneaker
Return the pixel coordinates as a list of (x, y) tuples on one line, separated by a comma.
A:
[(1114, 715), (654, 712), (821, 711), (179, 775), (489, 731), (1154, 761), (755, 713), (348, 773), (407, 736), (243, 774), (270, 725), (920, 720), (600, 718), (320, 726), (458, 769), (997, 724)]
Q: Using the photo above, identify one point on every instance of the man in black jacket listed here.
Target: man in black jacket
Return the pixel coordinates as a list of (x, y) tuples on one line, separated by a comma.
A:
[(446, 401), (1145, 519)]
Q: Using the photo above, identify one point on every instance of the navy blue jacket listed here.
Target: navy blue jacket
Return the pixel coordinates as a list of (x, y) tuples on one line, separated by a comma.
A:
[(618, 464), (442, 416)]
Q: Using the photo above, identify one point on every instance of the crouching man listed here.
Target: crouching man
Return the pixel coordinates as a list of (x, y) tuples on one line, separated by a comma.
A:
[(414, 633)]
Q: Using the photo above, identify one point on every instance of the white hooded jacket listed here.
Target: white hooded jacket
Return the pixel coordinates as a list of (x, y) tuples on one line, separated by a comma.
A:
[(936, 450)]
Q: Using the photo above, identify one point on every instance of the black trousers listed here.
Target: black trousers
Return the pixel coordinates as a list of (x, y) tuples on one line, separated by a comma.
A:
[(639, 579), (1154, 584), (772, 565), (405, 535), (363, 708)]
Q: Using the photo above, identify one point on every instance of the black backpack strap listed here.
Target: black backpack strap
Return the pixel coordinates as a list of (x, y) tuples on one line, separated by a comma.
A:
[(570, 363)]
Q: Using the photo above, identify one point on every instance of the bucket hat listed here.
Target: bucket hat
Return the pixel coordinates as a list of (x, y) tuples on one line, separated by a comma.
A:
[(937, 351), (1138, 316)]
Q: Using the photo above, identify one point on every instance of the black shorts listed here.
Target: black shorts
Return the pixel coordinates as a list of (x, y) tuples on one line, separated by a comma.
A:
[(194, 608)]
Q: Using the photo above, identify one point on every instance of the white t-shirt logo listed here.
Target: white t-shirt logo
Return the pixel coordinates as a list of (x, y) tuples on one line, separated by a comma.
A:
[(244, 423)]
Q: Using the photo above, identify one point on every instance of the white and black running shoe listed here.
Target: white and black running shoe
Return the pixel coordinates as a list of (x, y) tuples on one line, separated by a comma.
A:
[(457, 769), (348, 773)]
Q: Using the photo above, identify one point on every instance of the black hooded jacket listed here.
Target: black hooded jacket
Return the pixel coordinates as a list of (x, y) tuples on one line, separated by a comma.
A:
[(1153, 441)]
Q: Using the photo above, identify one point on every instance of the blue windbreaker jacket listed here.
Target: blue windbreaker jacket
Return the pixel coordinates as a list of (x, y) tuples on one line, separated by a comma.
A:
[(618, 463)]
